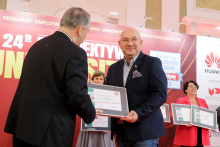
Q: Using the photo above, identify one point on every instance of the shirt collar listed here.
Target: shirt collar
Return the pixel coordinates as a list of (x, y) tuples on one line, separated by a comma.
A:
[(66, 34), (132, 60)]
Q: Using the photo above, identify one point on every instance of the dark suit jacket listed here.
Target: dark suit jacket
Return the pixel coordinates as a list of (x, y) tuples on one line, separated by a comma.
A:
[(218, 117), (51, 91), (145, 96)]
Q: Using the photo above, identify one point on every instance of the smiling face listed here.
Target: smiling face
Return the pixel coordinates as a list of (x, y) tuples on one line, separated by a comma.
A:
[(191, 89), (130, 43), (98, 80)]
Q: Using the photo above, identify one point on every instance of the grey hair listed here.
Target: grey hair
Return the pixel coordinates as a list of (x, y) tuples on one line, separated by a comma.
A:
[(75, 17)]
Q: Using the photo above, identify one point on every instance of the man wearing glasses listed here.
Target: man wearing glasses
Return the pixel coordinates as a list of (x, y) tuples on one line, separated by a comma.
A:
[(146, 85)]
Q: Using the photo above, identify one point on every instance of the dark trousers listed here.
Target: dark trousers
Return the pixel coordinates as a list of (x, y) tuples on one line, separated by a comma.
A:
[(19, 143)]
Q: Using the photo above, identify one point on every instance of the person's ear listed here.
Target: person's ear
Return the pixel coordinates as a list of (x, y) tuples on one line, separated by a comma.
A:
[(80, 31), (141, 41), (119, 42)]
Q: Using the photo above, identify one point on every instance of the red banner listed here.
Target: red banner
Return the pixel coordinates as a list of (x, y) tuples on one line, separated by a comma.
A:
[(19, 31)]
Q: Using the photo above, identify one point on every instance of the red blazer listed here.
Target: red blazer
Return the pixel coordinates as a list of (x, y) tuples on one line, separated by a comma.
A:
[(187, 136)]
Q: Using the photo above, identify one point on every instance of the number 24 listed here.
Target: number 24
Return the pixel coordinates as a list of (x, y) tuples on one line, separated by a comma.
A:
[(17, 42)]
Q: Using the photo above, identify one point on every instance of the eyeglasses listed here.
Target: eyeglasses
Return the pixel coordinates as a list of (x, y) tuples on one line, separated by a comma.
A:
[(191, 86), (134, 40)]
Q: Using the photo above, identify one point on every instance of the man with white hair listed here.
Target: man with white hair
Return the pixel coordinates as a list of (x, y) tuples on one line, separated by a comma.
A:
[(53, 87)]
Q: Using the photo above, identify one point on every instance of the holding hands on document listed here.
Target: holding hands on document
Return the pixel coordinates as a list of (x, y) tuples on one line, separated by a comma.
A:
[(131, 117), (190, 125), (97, 112)]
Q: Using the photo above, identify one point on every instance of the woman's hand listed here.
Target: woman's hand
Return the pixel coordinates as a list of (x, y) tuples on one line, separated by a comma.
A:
[(189, 125), (91, 81), (213, 130)]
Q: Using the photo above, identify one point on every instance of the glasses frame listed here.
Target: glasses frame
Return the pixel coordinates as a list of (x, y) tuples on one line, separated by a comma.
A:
[(133, 40), (191, 86)]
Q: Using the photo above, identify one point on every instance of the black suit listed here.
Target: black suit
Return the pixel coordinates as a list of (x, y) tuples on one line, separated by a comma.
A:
[(51, 91), (145, 96)]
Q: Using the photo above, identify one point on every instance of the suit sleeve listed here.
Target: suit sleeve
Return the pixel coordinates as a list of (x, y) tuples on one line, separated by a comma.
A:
[(158, 91), (76, 87)]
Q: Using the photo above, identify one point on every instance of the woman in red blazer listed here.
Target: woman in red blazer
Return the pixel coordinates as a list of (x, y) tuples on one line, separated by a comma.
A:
[(189, 135)]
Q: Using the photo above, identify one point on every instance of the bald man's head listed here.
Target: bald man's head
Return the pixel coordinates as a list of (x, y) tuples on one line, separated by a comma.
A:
[(130, 43), (130, 31)]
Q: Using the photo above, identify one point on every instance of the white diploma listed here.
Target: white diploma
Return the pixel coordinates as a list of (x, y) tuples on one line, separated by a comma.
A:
[(105, 99), (183, 114), (203, 117), (102, 121), (163, 110)]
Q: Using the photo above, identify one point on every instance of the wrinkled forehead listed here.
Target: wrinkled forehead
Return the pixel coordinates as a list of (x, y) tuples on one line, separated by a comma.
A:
[(130, 33)]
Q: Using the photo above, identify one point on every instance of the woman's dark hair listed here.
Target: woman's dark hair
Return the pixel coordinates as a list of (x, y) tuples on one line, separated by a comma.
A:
[(185, 85)]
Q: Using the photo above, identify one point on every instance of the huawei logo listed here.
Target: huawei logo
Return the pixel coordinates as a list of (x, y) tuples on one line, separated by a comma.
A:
[(212, 58), (214, 91)]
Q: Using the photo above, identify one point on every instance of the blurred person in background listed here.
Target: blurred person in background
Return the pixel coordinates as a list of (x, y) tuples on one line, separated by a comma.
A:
[(189, 135), (95, 138)]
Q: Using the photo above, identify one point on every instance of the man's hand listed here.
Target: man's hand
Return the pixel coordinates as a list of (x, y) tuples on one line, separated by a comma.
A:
[(97, 111), (131, 117), (189, 125)]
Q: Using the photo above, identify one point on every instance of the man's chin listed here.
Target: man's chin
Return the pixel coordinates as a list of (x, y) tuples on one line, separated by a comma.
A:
[(130, 56), (130, 53)]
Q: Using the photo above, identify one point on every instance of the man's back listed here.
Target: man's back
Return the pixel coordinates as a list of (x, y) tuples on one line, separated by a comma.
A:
[(51, 91)]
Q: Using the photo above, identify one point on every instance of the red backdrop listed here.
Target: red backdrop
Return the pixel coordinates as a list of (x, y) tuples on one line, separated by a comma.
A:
[(18, 31)]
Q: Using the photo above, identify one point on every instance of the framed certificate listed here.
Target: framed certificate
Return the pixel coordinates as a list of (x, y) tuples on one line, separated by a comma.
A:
[(103, 123), (165, 112), (111, 99), (181, 114), (203, 117)]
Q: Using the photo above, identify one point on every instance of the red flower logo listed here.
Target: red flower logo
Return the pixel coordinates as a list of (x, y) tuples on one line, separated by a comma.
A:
[(212, 58), (116, 93)]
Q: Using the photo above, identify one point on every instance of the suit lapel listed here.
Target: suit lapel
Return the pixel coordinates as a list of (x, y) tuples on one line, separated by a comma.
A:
[(134, 67), (187, 100), (120, 72), (200, 103)]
